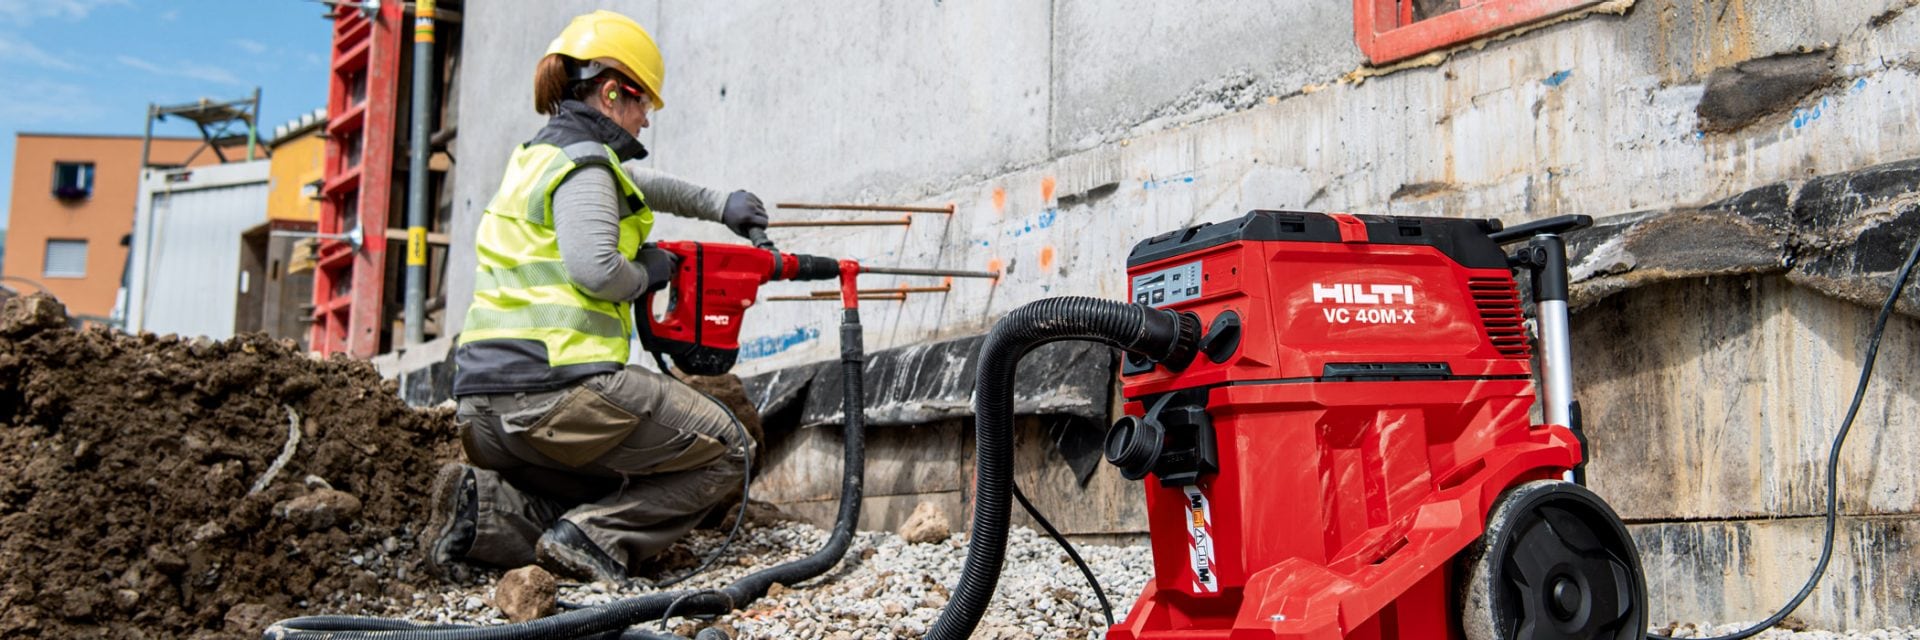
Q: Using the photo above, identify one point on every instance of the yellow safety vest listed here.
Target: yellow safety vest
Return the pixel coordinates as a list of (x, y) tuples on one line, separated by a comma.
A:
[(521, 291)]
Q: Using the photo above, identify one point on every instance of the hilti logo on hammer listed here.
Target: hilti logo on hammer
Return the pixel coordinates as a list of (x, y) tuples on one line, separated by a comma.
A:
[(1365, 294)]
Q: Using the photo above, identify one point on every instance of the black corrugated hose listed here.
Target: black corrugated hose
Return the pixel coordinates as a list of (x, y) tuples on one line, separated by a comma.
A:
[(611, 621), (1164, 336)]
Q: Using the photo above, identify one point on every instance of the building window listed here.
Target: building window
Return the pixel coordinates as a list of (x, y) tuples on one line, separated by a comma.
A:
[(66, 259), (72, 180), (1394, 30)]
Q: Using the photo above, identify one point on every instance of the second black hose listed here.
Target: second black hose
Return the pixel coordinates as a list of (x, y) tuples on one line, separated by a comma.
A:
[(1157, 334)]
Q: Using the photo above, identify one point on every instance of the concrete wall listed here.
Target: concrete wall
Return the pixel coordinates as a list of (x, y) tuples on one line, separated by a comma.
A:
[(1065, 131), (1063, 137)]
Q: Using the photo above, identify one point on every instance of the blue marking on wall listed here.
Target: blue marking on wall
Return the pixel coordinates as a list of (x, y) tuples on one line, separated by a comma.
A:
[(1037, 223), (1804, 117), (1155, 184), (765, 346), (1860, 84), (1557, 78)]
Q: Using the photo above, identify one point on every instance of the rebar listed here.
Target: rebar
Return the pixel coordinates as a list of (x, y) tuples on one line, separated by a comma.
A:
[(867, 207)]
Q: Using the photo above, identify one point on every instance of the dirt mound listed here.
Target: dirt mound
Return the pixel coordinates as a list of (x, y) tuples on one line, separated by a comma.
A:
[(127, 465)]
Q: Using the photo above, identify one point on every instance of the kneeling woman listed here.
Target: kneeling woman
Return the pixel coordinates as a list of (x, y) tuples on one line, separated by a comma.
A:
[(579, 462)]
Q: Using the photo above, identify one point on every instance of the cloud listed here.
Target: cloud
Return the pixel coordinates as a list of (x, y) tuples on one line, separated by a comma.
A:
[(170, 15), (24, 12), (34, 103), (250, 46), (14, 50), (187, 70)]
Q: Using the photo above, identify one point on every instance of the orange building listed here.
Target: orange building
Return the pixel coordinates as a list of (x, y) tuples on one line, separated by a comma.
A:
[(73, 202)]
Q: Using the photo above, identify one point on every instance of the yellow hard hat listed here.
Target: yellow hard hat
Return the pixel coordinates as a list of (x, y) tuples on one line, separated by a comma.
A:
[(605, 34)]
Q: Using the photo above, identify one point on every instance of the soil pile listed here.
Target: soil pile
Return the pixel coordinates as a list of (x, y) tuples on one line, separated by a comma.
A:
[(127, 474)]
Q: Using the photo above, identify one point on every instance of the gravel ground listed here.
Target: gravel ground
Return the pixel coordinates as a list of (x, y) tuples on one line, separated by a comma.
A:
[(889, 588), (1704, 631), (886, 588)]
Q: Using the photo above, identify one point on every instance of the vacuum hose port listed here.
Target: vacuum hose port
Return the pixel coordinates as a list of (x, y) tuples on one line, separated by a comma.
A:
[(1134, 444), (1172, 338)]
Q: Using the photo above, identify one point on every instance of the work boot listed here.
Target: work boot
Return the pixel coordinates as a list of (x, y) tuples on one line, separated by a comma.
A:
[(566, 550), (453, 523)]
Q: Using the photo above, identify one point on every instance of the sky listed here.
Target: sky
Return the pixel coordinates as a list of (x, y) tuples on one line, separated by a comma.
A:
[(92, 66)]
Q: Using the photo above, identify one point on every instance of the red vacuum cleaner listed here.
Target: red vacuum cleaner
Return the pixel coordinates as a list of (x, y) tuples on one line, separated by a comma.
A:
[(1331, 417), (1351, 455)]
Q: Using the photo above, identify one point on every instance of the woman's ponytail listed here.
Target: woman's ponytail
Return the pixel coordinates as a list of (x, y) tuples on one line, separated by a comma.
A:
[(550, 82)]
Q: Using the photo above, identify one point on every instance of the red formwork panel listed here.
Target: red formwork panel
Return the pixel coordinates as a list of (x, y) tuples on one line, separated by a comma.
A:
[(1388, 31), (357, 193)]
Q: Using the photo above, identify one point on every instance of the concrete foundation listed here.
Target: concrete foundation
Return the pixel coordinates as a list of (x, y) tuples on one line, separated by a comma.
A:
[(1065, 131)]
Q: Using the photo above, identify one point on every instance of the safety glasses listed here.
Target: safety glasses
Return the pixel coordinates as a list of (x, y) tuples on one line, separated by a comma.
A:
[(646, 99)]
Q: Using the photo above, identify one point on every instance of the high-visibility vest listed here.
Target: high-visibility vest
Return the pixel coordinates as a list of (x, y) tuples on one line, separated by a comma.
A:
[(521, 290)]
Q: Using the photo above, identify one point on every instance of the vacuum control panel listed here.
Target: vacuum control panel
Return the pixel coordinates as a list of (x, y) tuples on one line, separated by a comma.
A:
[(1168, 286)]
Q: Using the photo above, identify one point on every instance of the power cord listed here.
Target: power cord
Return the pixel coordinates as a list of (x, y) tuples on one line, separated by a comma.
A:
[(1833, 460), (1098, 592), (668, 614), (746, 481)]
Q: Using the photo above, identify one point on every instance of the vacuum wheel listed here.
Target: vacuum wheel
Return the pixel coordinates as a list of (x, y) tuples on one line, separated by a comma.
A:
[(1554, 564)]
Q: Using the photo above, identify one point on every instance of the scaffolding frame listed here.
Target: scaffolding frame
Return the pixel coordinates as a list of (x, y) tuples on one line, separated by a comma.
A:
[(219, 124)]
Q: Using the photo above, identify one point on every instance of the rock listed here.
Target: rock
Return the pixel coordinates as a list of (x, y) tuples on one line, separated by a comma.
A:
[(319, 509), (126, 599), (249, 618), (166, 560), (209, 531), (22, 317), (926, 524), (526, 593), (79, 604)]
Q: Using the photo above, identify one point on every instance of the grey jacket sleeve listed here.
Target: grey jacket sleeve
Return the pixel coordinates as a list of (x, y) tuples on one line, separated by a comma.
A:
[(586, 219), (670, 194)]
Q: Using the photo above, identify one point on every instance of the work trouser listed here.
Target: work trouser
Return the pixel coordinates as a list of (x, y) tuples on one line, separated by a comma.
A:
[(632, 458)]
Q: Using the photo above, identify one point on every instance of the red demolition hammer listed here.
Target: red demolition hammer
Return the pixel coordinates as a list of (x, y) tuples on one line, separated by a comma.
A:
[(699, 325)]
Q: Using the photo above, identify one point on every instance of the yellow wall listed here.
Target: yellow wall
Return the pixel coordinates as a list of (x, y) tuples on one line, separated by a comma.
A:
[(295, 163)]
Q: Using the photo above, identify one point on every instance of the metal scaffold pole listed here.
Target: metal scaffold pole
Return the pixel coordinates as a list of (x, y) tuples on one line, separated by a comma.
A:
[(420, 148)]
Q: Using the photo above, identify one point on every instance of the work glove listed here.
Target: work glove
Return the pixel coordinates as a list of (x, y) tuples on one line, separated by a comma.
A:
[(660, 264), (744, 213)]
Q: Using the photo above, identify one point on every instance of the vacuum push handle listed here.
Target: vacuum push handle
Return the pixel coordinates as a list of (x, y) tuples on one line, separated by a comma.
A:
[(1554, 225)]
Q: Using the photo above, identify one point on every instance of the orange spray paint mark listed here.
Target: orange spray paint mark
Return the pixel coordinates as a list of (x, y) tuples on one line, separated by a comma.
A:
[(999, 200), (997, 266), (1046, 257), (1046, 190)]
